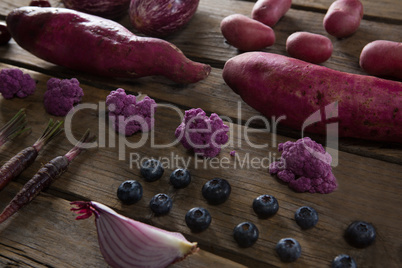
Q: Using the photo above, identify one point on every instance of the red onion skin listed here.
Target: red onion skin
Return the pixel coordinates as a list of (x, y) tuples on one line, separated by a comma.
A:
[(110, 9), (160, 18), (124, 242)]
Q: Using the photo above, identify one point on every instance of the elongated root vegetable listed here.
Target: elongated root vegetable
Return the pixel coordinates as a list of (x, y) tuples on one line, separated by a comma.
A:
[(382, 58), (139, 245), (343, 18), (43, 178), (99, 46), (366, 107), (21, 161), (14, 127), (270, 11), (246, 34)]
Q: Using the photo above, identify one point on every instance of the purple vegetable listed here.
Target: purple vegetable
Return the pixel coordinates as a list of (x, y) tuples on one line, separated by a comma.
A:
[(125, 242), (202, 134), (5, 35), (110, 9), (161, 17), (43, 178), (92, 44), (22, 160), (14, 83), (40, 3), (305, 166), (61, 95), (128, 115)]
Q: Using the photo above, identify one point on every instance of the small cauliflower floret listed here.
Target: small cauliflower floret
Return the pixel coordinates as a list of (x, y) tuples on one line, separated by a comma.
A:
[(128, 115), (14, 83), (202, 134), (305, 166), (61, 95)]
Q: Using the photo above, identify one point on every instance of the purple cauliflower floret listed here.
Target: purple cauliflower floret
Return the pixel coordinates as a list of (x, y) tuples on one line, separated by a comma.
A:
[(128, 115), (14, 83), (61, 95), (305, 166), (202, 134)]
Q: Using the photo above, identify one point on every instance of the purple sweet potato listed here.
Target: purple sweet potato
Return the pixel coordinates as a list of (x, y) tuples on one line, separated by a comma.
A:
[(366, 107), (382, 58), (343, 18), (270, 11), (99, 46), (246, 34), (314, 48)]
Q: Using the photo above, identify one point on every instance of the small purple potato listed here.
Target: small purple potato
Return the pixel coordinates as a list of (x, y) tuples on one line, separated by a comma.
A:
[(270, 11), (246, 34), (382, 58), (314, 48), (343, 18)]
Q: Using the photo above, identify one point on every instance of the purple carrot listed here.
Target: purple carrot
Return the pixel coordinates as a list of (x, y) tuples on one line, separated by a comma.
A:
[(14, 127), (44, 178), (21, 161)]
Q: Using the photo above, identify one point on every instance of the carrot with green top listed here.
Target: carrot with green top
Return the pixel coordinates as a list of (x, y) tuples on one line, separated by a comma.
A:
[(44, 178), (14, 127), (21, 161)]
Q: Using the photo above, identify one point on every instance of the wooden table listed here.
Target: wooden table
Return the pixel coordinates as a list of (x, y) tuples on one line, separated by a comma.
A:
[(45, 234)]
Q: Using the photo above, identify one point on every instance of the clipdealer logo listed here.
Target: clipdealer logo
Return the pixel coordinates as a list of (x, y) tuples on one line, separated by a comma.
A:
[(107, 137)]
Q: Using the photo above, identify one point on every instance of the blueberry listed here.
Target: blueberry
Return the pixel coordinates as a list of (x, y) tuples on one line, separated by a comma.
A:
[(161, 204), (216, 191), (343, 261), (265, 206), (245, 234), (180, 178), (152, 170), (129, 192), (198, 219), (360, 234), (306, 217), (288, 249)]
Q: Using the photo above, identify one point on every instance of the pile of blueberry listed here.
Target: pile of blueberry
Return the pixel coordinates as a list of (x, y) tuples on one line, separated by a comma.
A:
[(216, 191)]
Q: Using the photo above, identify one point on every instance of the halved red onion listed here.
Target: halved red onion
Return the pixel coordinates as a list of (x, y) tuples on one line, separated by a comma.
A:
[(125, 242)]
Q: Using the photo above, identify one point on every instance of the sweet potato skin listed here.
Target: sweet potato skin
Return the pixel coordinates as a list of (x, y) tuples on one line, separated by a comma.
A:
[(343, 18), (276, 85), (270, 11), (382, 58), (314, 48), (246, 34), (99, 46)]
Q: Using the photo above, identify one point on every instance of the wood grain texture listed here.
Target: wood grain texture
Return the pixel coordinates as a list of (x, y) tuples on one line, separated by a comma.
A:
[(369, 174), (212, 94), (369, 189)]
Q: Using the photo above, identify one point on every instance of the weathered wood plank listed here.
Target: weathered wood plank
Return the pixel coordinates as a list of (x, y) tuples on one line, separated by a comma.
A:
[(45, 234), (388, 10), (212, 94), (203, 41), (369, 189)]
